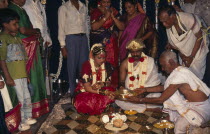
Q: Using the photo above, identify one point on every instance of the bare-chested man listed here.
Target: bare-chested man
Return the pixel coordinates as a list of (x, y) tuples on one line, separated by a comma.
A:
[(185, 96), (137, 72)]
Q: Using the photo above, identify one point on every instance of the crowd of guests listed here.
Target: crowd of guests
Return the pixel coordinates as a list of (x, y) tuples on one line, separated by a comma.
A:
[(122, 55), (23, 88)]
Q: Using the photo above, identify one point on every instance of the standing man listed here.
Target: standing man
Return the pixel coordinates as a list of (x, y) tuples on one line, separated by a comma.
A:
[(185, 35), (202, 10), (72, 35), (37, 16)]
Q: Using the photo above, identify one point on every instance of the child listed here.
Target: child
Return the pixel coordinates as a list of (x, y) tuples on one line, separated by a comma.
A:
[(13, 63)]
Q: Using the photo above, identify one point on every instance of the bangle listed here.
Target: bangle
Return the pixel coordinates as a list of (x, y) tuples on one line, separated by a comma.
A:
[(62, 46)]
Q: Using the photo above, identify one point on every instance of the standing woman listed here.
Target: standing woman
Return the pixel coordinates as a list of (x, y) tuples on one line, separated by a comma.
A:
[(103, 20), (137, 25)]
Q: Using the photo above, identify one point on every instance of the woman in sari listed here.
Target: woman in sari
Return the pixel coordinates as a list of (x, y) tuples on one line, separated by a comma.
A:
[(93, 91), (103, 20), (137, 25)]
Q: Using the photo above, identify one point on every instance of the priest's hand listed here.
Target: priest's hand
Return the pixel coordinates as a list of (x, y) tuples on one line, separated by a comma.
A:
[(133, 99)]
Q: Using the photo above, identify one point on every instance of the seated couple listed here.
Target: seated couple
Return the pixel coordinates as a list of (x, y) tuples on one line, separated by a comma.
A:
[(94, 90), (184, 96)]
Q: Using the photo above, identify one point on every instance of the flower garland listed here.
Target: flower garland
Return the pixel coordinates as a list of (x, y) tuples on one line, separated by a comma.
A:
[(55, 76), (141, 77), (121, 7), (156, 13), (144, 6), (94, 74)]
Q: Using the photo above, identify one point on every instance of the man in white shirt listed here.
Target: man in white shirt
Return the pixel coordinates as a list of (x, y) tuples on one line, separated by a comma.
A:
[(73, 27), (37, 16)]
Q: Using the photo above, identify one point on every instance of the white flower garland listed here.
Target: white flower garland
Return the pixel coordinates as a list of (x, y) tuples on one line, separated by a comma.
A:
[(55, 76), (94, 74), (144, 6), (121, 7), (142, 73), (156, 13)]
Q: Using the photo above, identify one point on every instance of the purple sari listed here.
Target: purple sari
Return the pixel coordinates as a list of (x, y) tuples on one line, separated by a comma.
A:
[(130, 32)]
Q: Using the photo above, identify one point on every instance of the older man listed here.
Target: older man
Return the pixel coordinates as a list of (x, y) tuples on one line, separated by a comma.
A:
[(137, 72), (185, 35), (185, 96)]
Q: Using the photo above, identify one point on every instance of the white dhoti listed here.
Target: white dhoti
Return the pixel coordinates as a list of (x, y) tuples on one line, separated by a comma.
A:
[(6, 99), (182, 112), (152, 79), (185, 42)]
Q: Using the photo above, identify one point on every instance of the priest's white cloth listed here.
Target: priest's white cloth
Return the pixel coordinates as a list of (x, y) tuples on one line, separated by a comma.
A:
[(152, 79), (190, 25), (37, 16), (182, 112)]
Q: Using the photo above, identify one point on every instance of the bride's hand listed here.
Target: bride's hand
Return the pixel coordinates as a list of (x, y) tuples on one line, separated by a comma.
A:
[(110, 94)]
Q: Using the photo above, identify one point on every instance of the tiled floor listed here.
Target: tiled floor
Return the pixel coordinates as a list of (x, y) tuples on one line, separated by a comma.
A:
[(75, 123)]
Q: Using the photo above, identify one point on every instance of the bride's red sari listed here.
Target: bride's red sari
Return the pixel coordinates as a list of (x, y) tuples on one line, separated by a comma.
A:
[(91, 103)]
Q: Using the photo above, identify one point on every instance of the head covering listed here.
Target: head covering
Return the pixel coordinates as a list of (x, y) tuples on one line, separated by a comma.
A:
[(96, 49), (135, 44)]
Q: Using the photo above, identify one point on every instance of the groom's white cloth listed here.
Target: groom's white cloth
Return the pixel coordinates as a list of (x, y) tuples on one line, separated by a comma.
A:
[(152, 79)]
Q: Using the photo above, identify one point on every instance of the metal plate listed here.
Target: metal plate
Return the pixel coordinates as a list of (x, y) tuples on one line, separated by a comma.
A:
[(110, 126)]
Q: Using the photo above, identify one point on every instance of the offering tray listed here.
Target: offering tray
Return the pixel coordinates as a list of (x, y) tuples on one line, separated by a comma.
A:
[(110, 126), (163, 124), (123, 94)]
